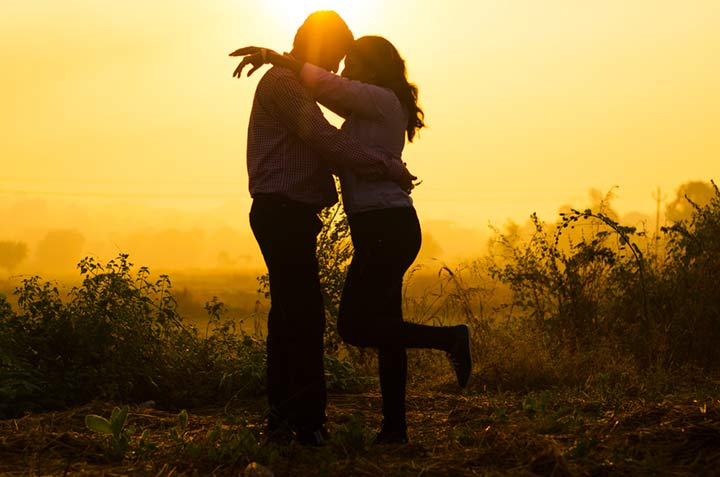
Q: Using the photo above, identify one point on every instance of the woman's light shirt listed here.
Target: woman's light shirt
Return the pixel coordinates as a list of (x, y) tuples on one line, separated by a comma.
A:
[(374, 116)]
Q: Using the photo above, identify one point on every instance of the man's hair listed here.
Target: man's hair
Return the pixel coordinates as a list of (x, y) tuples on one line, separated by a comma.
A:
[(324, 27)]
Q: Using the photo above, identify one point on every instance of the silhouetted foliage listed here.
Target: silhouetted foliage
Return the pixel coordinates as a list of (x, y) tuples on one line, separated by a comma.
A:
[(118, 336), (689, 309), (334, 252), (603, 291), (687, 197)]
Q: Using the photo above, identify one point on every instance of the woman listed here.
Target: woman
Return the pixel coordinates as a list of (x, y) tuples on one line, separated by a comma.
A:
[(380, 108)]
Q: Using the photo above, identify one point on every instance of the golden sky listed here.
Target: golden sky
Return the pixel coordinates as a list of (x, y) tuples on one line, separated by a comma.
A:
[(530, 103)]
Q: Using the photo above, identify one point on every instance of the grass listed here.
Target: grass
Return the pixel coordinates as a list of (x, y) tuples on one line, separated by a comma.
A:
[(553, 432)]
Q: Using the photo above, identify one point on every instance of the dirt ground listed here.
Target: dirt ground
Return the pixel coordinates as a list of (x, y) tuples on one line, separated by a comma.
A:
[(545, 434)]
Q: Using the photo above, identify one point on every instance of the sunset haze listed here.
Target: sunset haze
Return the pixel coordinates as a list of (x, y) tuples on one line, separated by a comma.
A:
[(123, 106)]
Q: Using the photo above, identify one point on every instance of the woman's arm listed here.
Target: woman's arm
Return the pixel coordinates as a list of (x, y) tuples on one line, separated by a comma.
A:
[(341, 95)]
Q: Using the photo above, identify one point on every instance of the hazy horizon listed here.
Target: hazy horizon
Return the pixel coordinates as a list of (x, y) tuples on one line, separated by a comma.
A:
[(59, 232)]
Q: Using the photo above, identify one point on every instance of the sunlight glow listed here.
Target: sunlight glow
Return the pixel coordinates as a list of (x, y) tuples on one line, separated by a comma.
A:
[(290, 14), (529, 104)]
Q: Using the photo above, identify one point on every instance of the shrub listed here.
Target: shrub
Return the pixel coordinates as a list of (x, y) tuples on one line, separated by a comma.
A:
[(597, 294), (118, 336), (688, 296)]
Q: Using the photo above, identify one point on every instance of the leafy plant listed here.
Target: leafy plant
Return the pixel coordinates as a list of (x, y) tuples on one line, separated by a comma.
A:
[(334, 251), (178, 432), (118, 336), (591, 288), (343, 376), (352, 436), (118, 436)]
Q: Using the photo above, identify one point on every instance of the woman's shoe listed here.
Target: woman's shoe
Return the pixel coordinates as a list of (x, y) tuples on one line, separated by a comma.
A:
[(460, 354)]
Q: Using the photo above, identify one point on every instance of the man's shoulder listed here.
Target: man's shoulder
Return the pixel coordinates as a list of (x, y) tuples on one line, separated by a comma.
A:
[(277, 75), (280, 86)]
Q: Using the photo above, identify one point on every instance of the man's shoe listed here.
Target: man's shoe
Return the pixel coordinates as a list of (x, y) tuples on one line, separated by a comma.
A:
[(460, 354), (388, 436), (316, 437)]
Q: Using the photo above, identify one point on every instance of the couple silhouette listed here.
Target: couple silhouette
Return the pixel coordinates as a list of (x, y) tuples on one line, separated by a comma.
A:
[(292, 155)]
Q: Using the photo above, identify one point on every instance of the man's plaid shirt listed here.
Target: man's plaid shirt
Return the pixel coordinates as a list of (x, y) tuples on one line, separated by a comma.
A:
[(292, 147)]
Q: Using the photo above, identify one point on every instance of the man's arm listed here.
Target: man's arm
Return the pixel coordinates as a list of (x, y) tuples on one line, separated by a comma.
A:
[(303, 116)]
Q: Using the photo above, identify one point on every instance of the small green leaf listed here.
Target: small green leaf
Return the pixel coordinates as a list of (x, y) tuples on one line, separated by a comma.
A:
[(183, 418), (117, 421), (98, 424)]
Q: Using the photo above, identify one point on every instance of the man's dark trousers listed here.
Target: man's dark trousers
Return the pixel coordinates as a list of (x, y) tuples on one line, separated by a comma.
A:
[(287, 234)]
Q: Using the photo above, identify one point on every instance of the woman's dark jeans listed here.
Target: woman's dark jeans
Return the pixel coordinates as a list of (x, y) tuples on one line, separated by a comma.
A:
[(386, 242)]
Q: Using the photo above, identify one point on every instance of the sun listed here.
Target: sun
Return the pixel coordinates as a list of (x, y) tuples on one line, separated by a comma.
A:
[(291, 13)]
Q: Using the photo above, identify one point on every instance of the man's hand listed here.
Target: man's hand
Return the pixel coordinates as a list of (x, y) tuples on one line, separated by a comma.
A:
[(253, 55)]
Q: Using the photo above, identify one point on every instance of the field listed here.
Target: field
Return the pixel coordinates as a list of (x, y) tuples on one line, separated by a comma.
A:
[(595, 349), (558, 433)]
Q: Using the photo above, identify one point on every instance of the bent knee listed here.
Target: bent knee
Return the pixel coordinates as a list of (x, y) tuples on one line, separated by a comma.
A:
[(352, 332), (346, 331)]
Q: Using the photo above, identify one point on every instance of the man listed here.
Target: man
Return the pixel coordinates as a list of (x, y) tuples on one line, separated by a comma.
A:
[(291, 150)]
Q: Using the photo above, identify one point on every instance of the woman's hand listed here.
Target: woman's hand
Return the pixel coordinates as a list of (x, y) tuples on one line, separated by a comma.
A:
[(253, 55), (407, 182)]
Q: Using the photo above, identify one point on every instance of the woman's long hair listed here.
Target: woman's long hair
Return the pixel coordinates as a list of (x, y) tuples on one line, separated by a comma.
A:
[(390, 72)]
